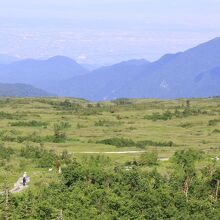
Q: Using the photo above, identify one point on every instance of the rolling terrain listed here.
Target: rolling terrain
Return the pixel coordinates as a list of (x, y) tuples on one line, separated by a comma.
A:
[(126, 153)]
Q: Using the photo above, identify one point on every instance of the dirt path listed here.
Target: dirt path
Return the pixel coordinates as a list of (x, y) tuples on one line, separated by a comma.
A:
[(110, 152), (18, 186)]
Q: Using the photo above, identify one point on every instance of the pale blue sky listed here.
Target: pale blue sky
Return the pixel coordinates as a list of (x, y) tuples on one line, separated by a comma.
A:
[(105, 31)]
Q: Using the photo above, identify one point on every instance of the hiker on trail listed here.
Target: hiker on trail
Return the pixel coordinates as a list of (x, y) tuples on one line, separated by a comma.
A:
[(24, 179)]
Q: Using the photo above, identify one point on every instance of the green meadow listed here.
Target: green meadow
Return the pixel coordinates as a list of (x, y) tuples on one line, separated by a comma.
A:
[(122, 159), (120, 126)]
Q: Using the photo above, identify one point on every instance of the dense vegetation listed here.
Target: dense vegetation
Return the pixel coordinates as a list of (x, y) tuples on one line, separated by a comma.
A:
[(97, 189), (122, 142), (173, 172)]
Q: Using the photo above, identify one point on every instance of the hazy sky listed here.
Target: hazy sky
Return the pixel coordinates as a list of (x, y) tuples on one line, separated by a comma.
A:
[(105, 31)]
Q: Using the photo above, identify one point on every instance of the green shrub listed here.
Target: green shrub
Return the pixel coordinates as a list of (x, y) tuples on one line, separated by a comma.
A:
[(122, 101), (106, 123), (32, 123), (5, 115), (123, 142), (154, 143), (42, 157), (216, 131), (213, 122), (5, 152), (168, 115), (157, 116), (186, 125), (148, 159), (118, 142), (63, 125), (67, 105), (59, 134)]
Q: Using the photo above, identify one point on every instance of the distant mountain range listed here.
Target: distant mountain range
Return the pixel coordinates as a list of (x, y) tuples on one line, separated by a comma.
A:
[(103, 83), (21, 90), (40, 73), (193, 73)]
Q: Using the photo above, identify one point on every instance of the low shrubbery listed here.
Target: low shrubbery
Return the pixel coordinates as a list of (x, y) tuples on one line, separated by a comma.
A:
[(6, 115), (154, 143), (106, 123), (42, 157), (45, 158), (213, 122), (64, 125), (32, 123), (216, 131), (148, 159), (123, 142), (168, 115), (67, 105), (5, 152), (59, 134), (122, 101), (186, 125), (157, 116), (58, 137), (118, 142)]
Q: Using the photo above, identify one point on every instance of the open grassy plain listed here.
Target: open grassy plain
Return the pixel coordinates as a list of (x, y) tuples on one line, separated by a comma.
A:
[(122, 126)]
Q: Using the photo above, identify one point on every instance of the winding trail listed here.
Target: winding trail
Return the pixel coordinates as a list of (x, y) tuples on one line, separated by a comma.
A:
[(18, 186)]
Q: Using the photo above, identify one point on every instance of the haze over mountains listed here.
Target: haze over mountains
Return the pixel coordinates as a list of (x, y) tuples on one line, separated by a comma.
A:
[(193, 73), (7, 59)]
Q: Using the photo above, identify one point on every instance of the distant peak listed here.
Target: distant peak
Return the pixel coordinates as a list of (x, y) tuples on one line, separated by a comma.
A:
[(134, 62), (61, 59), (213, 42), (167, 57), (216, 39)]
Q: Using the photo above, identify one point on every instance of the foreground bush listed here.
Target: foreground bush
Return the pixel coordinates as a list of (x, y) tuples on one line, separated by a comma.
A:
[(87, 191)]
